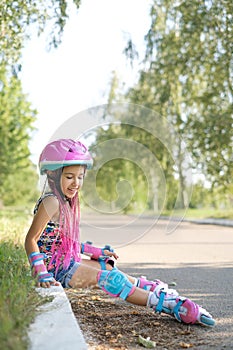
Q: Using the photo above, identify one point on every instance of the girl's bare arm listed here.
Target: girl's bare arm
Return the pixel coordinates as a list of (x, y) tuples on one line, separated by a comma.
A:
[(48, 208)]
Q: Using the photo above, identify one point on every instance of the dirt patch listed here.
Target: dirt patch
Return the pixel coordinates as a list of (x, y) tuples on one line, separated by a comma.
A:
[(109, 323)]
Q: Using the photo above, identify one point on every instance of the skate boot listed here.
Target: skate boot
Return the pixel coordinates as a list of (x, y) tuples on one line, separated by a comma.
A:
[(163, 299)]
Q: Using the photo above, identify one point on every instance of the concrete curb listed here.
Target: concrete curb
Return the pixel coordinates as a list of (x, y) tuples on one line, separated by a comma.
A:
[(220, 222), (55, 327)]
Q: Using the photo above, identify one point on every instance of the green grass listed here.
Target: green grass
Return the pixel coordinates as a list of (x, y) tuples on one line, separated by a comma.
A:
[(18, 298), (203, 213)]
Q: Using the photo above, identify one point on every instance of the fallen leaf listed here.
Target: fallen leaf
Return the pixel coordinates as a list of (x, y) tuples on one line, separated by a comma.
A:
[(172, 284), (146, 342), (186, 345)]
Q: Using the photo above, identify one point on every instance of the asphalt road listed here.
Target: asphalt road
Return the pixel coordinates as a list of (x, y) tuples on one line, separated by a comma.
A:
[(198, 258)]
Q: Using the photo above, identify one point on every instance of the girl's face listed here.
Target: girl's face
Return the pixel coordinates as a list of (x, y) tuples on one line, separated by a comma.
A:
[(72, 180)]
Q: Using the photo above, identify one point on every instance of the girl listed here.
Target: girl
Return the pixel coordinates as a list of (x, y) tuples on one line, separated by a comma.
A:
[(54, 249)]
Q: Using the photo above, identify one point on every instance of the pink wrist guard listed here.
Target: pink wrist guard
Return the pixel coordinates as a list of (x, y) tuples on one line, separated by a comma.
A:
[(35, 258), (94, 252), (38, 267)]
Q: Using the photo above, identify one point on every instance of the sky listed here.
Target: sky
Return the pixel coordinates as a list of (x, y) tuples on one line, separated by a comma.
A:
[(76, 76)]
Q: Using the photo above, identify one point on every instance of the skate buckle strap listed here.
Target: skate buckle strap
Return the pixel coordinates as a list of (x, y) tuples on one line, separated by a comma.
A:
[(177, 309), (159, 306), (127, 290), (102, 264)]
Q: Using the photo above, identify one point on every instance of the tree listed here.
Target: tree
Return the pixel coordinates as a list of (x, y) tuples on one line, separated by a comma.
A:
[(17, 18), (187, 78), (21, 187), (133, 147), (16, 125)]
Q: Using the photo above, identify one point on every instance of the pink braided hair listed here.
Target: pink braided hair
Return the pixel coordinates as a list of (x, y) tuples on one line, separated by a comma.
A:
[(69, 219)]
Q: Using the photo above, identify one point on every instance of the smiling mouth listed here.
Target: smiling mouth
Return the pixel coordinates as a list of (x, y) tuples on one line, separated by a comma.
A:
[(72, 191)]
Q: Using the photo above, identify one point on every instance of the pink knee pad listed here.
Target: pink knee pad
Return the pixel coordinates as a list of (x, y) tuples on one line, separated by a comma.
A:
[(186, 310)]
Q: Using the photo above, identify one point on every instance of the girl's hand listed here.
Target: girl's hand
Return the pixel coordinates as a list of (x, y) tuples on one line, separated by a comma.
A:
[(109, 253), (48, 284)]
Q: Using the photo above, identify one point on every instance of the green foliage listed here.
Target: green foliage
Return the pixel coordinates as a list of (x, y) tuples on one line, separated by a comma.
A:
[(205, 212), (22, 187), (18, 298), (219, 198), (187, 82), (126, 187), (188, 79), (133, 168), (16, 125), (18, 20), (18, 16)]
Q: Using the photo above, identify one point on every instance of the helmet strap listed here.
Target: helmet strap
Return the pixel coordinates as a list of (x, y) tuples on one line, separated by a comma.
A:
[(45, 184)]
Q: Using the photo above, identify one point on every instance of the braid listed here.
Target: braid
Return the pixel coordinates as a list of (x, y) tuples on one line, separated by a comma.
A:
[(68, 224)]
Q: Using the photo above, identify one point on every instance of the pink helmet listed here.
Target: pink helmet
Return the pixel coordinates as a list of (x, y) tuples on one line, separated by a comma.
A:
[(64, 152)]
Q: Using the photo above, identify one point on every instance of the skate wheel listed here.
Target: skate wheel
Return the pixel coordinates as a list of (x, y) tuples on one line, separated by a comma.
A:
[(207, 321)]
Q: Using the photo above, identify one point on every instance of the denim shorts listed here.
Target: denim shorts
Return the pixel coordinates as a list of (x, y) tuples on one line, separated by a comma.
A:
[(64, 276)]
